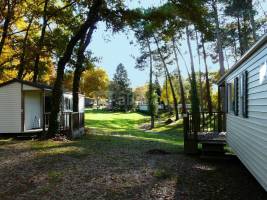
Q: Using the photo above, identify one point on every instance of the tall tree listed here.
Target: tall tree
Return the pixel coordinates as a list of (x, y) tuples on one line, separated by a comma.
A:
[(151, 90), (218, 37), (79, 68), (24, 48), (194, 93), (10, 6), (208, 93), (92, 18), (120, 88), (175, 104), (40, 42), (199, 71), (181, 85)]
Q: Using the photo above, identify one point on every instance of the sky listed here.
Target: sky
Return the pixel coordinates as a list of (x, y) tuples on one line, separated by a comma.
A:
[(115, 49)]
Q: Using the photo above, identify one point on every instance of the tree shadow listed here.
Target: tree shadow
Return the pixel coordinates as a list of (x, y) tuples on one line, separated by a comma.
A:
[(56, 164), (225, 178)]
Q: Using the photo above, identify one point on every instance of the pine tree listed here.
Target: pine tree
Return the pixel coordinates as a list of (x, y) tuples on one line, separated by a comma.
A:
[(121, 91)]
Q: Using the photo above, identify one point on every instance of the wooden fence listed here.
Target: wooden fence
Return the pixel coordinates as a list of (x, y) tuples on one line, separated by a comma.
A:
[(69, 122), (203, 123)]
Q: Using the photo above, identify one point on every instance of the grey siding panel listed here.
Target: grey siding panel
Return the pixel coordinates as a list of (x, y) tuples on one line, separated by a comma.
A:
[(257, 102), (248, 136), (249, 146), (10, 108), (260, 95)]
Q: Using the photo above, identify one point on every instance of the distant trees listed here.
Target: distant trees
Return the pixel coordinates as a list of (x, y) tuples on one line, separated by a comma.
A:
[(47, 40), (120, 92), (95, 83), (140, 94)]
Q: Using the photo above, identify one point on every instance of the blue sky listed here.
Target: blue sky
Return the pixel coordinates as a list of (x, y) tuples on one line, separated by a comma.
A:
[(115, 49)]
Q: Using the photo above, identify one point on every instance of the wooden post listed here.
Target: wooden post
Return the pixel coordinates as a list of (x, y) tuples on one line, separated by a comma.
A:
[(190, 143), (70, 131), (219, 109), (43, 101), (186, 126), (22, 109)]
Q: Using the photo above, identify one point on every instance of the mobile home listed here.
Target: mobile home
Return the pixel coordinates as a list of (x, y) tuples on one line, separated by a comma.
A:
[(243, 90), (25, 108)]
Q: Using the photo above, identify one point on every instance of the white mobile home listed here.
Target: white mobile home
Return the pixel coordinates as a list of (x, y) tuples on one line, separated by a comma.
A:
[(25, 108), (244, 88)]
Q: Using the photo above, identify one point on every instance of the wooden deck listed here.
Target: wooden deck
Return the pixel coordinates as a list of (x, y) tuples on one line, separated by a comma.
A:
[(207, 129), (212, 137)]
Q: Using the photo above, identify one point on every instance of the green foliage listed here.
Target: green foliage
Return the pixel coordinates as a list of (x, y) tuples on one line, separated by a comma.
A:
[(153, 101), (121, 94)]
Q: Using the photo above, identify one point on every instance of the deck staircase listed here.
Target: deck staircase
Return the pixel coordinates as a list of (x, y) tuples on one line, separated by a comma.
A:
[(205, 130)]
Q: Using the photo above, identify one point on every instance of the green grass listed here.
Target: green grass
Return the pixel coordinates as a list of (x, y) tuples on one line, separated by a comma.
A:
[(128, 125)]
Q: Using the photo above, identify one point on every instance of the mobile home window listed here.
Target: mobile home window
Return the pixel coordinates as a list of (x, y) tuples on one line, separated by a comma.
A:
[(244, 93), (236, 96), (67, 104), (233, 96)]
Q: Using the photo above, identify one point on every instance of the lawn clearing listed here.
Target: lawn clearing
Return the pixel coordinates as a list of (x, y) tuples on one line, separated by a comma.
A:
[(113, 161)]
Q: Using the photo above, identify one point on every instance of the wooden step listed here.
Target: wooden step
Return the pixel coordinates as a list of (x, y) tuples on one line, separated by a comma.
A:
[(209, 148)]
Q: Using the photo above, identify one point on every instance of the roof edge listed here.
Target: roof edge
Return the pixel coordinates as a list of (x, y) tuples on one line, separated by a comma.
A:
[(36, 85), (252, 50)]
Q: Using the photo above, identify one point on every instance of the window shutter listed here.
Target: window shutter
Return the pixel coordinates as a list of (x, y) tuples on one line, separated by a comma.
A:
[(245, 95), (226, 95), (236, 96)]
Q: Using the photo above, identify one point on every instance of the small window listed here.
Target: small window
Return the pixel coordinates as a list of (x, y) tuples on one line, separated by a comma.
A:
[(233, 96), (67, 104), (236, 96)]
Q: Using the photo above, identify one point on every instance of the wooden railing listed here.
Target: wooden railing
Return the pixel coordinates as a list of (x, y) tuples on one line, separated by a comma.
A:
[(203, 122), (81, 120), (69, 121)]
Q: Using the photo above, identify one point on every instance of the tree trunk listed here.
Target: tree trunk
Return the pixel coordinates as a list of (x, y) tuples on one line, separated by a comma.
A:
[(166, 91), (152, 115), (235, 51), (245, 30), (57, 93), (184, 110), (6, 24), (218, 37), (169, 77), (200, 76), (226, 58), (187, 70), (79, 69), (240, 38), (24, 47), (194, 94), (40, 43), (252, 20), (208, 95)]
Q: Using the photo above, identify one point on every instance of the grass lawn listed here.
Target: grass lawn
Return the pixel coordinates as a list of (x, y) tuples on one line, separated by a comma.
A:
[(117, 160), (128, 125)]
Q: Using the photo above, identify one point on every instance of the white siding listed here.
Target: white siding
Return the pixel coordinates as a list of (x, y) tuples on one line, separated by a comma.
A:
[(10, 108), (81, 103), (27, 87), (248, 136), (143, 107)]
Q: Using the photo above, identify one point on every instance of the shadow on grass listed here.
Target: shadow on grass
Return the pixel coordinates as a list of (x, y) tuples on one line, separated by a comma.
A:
[(127, 124), (100, 143)]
